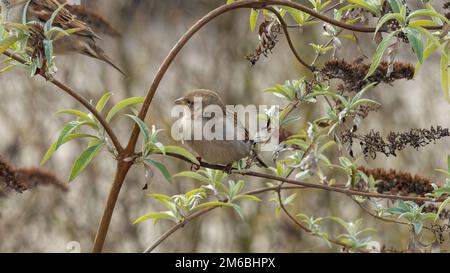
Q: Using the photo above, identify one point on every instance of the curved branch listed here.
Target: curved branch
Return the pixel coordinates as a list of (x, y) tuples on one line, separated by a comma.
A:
[(339, 189), (288, 38), (78, 98)]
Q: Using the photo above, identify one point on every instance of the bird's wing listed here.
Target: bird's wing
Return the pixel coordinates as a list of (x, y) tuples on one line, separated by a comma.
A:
[(44, 9), (94, 20), (238, 125)]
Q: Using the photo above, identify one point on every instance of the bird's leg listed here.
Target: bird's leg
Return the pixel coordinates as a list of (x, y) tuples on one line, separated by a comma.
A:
[(195, 167), (228, 168)]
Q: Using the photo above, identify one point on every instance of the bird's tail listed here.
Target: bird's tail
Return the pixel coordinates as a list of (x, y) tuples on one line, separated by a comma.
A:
[(261, 162), (107, 60), (98, 53)]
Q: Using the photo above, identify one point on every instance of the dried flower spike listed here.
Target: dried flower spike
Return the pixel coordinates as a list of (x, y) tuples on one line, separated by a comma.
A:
[(395, 182), (373, 143), (268, 34), (352, 74)]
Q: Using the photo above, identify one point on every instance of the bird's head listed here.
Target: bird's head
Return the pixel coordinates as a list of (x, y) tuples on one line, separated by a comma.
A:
[(207, 97)]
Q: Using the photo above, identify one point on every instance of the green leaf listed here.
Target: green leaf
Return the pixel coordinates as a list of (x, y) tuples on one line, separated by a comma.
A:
[(376, 59), (289, 199), (230, 2), (49, 23), (166, 200), (122, 104), (83, 161), (103, 101), (160, 167), (395, 5), (340, 221), (253, 18), (7, 42), (415, 39), (345, 162), (387, 17), (67, 130), (53, 147), (18, 26), (156, 216), (145, 131), (426, 12), (422, 23), (213, 204), (247, 197), (192, 175), (78, 113), (7, 68), (299, 16), (326, 146), (366, 5), (429, 49), (183, 152), (239, 211), (363, 101)]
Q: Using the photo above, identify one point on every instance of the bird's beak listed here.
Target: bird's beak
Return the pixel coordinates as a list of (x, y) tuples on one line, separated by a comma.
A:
[(180, 101)]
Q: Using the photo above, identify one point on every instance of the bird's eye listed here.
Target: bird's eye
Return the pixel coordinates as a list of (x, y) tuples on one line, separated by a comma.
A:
[(189, 103)]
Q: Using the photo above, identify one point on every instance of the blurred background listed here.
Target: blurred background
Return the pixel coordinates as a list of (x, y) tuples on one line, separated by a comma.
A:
[(46, 219)]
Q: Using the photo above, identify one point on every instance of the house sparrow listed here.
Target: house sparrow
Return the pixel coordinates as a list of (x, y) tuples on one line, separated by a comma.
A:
[(223, 151), (83, 41)]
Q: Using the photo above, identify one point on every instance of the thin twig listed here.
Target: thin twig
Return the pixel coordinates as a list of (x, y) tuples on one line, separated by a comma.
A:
[(374, 215), (289, 215), (300, 225), (339, 189), (288, 38), (335, 188), (78, 98), (197, 214)]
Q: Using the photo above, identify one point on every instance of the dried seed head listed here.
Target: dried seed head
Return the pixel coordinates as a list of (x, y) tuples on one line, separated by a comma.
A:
[(352, 74), (8, 178), (268, 33), (373, 143), (21, 180), (395, 182), (33, 177)]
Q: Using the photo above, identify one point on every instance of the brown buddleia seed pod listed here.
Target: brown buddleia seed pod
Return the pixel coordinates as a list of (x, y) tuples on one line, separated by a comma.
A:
[(397, 182), (352, 74), (34, 177), (8, 178)]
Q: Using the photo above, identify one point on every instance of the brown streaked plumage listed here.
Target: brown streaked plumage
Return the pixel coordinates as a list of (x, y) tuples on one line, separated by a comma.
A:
[(97, 22), (83, 41)]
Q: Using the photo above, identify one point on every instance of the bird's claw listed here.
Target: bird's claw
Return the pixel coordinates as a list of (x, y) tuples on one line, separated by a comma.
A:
[(195, 167), (228, 168)]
